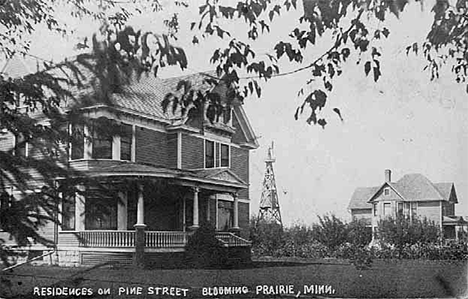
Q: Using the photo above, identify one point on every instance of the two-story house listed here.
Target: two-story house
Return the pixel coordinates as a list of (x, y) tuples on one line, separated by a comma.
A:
[(412, 196), (164, 175)]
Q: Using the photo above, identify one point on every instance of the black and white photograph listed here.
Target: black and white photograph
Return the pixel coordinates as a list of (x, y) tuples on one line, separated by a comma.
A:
[(233, 149)]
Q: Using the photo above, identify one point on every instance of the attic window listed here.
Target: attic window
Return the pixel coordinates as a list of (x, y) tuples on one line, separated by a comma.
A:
[(21, 146)]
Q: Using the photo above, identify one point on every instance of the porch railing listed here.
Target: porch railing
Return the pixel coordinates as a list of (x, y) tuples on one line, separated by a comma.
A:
[(107, 238), (165, 239), (126, 238), (231, 240), (153, 239)]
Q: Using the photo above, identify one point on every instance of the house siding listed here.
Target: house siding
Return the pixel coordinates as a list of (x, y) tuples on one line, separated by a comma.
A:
[(171, 150), (244, 219), (192, 152), (240, 166), (429, 210), (151, 147)]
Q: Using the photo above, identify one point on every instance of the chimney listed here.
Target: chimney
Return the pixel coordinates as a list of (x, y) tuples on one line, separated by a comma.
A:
[(388, 175)]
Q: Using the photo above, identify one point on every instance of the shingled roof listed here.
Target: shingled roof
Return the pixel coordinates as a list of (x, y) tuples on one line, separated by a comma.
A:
[(412, 187)]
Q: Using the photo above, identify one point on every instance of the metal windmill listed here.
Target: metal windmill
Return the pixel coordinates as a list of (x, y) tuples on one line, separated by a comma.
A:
[(269, 203)]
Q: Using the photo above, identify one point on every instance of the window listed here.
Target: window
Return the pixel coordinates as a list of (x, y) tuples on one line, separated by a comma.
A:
[(77, 141), (100, 213), (387, 191), (224, 155), (375, 209), (21, 146), (387, 209), (68, 213), (102, 144), (414, 209), (126, 142), (400, 208), (209, 154), (216, 154)]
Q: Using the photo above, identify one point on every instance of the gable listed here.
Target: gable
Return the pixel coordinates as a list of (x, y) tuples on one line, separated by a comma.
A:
[(382, 194), (394, 194), (224, 175), (244, 134)]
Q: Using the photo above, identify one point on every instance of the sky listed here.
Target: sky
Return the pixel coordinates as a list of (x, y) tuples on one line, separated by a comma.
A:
[(404, 122)]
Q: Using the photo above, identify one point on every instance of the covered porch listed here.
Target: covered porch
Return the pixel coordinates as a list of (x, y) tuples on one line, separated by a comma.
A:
[(156, 210)]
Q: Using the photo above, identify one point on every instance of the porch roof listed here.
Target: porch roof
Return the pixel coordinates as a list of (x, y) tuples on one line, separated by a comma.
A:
[(224, 177), (454, 220)]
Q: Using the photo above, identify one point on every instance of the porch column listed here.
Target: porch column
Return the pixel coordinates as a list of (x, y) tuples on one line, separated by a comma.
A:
[(140, 229), (456, 232), (196, 223), (208, 200), (235, 224), (80, 208), (122, 211)]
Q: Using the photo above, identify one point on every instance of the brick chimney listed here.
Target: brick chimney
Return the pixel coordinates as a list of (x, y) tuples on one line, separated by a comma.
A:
[(388, 175)]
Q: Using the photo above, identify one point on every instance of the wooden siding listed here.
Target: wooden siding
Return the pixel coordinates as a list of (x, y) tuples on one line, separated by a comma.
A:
[(171, 150), (244, 219), (151, 147), (240, 166), (429, 210), (192, 152)]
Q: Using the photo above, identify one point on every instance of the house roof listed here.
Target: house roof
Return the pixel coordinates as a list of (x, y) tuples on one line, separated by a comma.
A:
[(411, 187), (360, 197)]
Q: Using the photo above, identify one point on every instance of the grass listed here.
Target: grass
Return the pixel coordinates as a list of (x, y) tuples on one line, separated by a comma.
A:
[(386, 279)]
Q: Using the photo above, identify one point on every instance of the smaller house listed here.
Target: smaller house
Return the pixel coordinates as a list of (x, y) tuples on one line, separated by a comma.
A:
[(413, 195)]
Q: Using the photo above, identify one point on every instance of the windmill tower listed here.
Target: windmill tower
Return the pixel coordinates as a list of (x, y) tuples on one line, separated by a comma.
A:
[(269, 203)]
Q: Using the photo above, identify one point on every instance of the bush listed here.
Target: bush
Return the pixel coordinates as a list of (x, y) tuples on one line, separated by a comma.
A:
[(330, 231), (358, 233), (266, 237), (403, 231), (203, 248)]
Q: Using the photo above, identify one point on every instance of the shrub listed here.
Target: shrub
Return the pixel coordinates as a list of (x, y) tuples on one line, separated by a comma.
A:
[(330, 231), (266, 237), (358, 233), (203, 248), (403, 231)]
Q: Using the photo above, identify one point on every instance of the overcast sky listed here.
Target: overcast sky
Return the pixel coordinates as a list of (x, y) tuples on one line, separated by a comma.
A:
[(404, 122)]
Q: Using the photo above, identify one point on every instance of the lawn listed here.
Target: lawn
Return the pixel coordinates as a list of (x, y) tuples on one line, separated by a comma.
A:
[(263, 279)]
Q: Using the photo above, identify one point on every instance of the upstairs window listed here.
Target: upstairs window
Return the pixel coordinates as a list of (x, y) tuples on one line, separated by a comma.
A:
[(387, 191), (126, 142), (102, 141), (209, 154), (224, 155), (77, 141), (216, 154), (21, 146)]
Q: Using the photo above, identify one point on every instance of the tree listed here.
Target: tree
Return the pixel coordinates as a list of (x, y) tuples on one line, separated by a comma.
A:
[(330, 231)]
